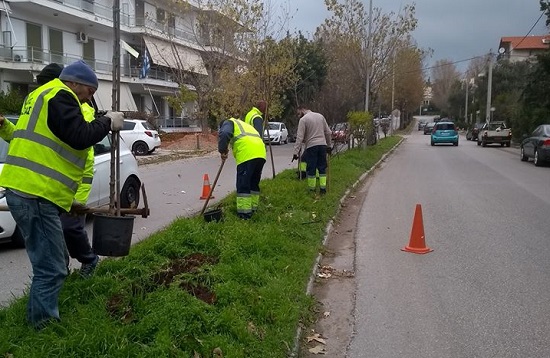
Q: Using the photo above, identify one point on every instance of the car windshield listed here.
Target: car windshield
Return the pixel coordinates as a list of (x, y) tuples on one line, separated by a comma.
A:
[(546, 131), (274, 126), (445, 127), (148, 126), (496, 126)]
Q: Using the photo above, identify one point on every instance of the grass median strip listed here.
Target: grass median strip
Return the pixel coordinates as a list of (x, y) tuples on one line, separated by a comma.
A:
[(197, 289)]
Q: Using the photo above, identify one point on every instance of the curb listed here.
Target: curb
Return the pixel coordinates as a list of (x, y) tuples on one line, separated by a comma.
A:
[(328, 230)]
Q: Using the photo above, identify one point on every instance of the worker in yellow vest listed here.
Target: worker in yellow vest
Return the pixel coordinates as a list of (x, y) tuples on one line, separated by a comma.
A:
[(74, 226), (249, 151), (254, 117), (44, 167)]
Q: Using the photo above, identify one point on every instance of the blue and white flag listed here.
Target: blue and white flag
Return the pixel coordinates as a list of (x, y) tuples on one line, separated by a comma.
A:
[(146, 64)]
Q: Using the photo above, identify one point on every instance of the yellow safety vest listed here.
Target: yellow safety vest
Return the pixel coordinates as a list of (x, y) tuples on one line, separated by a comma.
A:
[(83, 191), (38, 162), (246, 143), (251, 115)]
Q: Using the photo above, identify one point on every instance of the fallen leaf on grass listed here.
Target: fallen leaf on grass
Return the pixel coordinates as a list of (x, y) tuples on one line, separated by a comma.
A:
[(318, 350)]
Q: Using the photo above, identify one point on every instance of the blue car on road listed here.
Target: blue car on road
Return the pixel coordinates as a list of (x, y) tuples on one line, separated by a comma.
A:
[(444, 132)]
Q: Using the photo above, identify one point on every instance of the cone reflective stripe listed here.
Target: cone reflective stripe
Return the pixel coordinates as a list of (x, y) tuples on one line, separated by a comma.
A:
[(417, 244), (206, 188)]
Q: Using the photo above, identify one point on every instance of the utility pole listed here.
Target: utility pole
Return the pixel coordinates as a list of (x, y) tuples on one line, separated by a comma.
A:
[(489, 85), (368, 58), (466, 102)]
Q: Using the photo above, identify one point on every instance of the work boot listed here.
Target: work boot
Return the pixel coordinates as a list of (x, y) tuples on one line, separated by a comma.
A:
[(323, 191), (87, 270)]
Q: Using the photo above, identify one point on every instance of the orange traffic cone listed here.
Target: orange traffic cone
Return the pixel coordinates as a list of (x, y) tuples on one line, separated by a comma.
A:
[(206, 189), (417, 244)]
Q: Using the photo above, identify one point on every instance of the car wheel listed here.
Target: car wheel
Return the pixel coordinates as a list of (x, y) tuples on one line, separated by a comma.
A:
[(483, 143), (140, 148), (455, 144), (536, 159), (478, 143), (523, 157), (508, 144), (17, 239), (502, 144), (129, 196), (432, 143)]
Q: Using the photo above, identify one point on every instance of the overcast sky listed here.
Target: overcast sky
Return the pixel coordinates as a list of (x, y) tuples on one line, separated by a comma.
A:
[(455, 29)]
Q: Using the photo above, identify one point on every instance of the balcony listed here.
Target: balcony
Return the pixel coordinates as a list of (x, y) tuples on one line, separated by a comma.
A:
[(32, 55)]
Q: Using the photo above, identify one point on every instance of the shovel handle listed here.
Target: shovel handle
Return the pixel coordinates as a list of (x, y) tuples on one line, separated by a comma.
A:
[(213, 186)]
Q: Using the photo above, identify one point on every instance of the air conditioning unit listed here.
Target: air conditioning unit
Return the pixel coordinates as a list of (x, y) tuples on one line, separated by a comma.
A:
[(81, 37)]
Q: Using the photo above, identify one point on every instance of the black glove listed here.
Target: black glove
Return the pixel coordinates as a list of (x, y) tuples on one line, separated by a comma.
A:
[(295, 157), (329, 150)]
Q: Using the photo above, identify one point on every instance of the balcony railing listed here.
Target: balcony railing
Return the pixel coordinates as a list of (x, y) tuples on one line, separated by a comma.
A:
[(129, 20), (29, 55)]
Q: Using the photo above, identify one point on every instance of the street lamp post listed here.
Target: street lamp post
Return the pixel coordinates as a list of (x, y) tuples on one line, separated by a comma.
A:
[(489, 88), (466, 102), (369, 45)]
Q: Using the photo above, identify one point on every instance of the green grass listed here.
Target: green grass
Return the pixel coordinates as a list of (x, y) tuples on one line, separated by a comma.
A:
[(239, 286)]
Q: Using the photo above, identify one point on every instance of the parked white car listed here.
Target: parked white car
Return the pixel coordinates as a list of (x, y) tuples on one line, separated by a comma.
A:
[(99, 195), (142, 138), (278, 133)]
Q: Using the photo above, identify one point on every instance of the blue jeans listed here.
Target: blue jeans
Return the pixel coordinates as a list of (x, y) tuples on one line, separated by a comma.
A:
[(38, 220)]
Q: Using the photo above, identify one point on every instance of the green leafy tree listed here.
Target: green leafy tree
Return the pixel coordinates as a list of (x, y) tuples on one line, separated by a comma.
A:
[(11, 102), (360, 125), (536, 96)]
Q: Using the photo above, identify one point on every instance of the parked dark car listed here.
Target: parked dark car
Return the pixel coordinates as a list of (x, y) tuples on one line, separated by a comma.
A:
[(421, 124), (473, 131), (429, 127), (537, 146)]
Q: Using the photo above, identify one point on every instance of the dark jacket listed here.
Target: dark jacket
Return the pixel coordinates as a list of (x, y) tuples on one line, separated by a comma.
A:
[(66, 121)]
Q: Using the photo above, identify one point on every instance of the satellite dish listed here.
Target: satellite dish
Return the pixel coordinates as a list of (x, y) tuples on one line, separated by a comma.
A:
[(501, 50)]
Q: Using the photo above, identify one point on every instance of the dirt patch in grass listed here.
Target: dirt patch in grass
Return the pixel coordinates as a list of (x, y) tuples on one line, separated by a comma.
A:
[(118, 304)]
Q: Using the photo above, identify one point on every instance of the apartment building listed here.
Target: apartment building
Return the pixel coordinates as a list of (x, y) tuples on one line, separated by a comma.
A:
[(170, 35), (521, 48)]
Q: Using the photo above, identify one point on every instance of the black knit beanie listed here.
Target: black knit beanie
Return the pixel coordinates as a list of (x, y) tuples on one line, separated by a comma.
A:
[(48, 73)]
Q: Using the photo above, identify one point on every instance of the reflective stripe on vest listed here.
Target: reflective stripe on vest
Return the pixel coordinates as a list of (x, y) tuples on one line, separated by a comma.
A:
[(38, 162), (246, 143), (83, 192)]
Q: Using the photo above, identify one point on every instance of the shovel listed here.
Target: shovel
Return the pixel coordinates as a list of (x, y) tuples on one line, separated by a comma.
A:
[(213, 186)]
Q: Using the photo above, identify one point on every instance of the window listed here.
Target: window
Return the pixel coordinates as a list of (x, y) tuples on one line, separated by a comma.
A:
[(445, 127), (34, 42), (128, 126), (56, 45), (88, 52), (161, 15), (102, 147)]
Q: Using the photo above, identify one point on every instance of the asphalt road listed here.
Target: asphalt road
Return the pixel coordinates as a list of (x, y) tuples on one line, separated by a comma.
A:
[(485, 289), (173, 190)]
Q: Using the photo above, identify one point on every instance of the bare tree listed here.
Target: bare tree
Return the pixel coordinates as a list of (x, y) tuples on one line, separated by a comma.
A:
[(444, 75)]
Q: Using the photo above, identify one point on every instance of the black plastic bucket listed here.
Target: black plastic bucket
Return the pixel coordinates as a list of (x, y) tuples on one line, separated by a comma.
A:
[(112, 235), (213, 215)]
